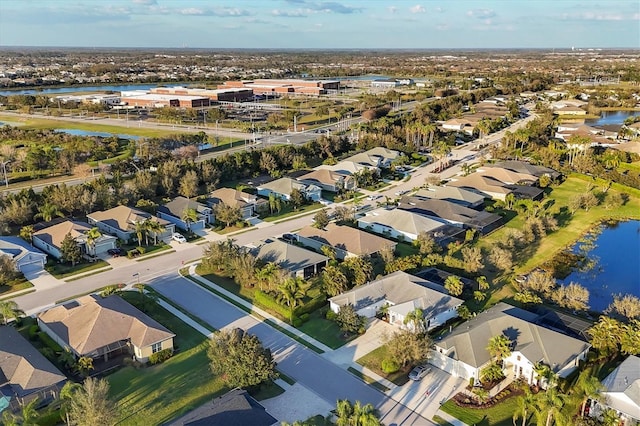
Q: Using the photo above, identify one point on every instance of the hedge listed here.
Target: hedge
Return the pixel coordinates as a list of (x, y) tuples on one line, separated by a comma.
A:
[(312, 305), (49, 342), (266, 301), (160, 356)]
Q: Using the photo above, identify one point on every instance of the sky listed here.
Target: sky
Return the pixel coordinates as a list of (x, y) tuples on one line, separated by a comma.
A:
[(318, 24)]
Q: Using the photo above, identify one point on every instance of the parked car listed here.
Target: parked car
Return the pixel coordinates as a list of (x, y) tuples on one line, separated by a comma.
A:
[(116, 252), (419, 372), (178, 237), (373, 197), (399, 193), (290, 238)]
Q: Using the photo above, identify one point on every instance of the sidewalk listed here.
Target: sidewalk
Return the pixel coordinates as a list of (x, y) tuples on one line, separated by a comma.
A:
[(343, 357)]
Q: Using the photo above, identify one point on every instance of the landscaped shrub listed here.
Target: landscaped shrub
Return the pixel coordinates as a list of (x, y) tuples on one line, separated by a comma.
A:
[(33, 332), (109, 290), (141, 249), (312, 305), (331, 316), (297, 322), (267, 301), (389, 366), (160, 356), (49, 342), (304, 317)]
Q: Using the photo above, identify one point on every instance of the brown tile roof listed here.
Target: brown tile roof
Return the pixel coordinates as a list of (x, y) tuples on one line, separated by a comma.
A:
[(92, 322), (22, 367), (53, 235), (325, 176), (505, 175), (230, 197), (347, 238)]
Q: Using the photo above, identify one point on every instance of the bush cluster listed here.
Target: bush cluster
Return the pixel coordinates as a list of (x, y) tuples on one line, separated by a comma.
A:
[(160, 357)]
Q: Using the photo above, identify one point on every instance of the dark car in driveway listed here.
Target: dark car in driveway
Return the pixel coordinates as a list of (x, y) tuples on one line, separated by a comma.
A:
[(116, 252)]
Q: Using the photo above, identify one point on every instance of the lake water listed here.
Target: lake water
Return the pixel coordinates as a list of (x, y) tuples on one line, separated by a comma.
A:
[(612, 117), (71, 89), (617, 252), (77, 132)]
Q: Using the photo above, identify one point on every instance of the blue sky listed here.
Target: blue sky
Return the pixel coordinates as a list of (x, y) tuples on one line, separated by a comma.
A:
[(279, 24)]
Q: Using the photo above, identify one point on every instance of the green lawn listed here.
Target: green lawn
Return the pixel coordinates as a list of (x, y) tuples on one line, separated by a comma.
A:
[(500, 414), (13, 286), (155, 395), (373, 361), (324, 331), (287, 211), (63, 270)]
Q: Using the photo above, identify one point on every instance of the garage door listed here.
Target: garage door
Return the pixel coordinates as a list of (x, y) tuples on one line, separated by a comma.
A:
[(34, 266)]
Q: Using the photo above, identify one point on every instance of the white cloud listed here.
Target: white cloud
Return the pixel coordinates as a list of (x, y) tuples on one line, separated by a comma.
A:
[(481, 13), (392, 9), (146, 2), (417, 9), (297, 13), (192, 11)]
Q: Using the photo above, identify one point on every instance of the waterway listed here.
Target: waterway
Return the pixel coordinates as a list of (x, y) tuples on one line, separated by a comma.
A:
[(616, 255), (73, 89), (77, 132), (611, 117)]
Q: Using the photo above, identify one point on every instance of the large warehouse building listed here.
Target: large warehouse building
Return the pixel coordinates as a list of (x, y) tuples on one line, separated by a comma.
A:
[(217, 95), (283, 87), (155, 100)]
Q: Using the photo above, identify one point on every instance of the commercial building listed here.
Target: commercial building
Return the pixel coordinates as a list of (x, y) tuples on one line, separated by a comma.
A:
[(155, 100), (283, 87), (217, 95)]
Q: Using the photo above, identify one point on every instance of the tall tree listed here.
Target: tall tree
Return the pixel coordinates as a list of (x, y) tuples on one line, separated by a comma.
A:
[(189, 216), (454, 285), (416, 319), (499, 347), (406, 347), (92, 236), (240, 359), (154, 227), (291, 292), (8, 268), (356, 414), (70, 250), (48, 211), (189, 184), (587, 387), (9, 309), (334, 280), (90, 405), (605, 335), (321, 219), (526, 404), (227, 214)]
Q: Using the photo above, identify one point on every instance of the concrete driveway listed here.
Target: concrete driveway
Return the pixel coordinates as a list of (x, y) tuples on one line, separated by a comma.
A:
[(42, 280)]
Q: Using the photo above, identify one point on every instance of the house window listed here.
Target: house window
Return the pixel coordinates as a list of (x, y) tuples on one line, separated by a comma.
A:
[(156, 347)]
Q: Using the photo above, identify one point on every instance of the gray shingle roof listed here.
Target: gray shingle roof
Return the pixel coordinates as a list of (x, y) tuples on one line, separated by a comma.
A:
[(179, 205), (17, 248), (288, 256), (402, 220), (22, 367), (452, 194), (536, 343), (448, 211), (353, 240), (625, 379)]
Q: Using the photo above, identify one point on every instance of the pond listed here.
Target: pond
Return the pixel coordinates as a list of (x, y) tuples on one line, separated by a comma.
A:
[(78, 132), (615, 266), (74, 89), (612, 117)]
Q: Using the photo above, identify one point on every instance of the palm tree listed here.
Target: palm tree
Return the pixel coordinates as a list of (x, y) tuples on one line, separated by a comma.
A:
[(189, 216), (66, 358), (155, 227), (9, 309), (542, 371), (27, 416), (292, 291), (416, 318), (92, 235), (66, 396), (26, 233), (499, 347), (47, 211), (84, 365), (141, 228), (525, 406), (609, 417), (587, 387), (356, 414), (550, 405), (268, 274)]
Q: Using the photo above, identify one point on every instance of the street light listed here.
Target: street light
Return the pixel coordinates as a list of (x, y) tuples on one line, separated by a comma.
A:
[(4, 168), (137, 274)]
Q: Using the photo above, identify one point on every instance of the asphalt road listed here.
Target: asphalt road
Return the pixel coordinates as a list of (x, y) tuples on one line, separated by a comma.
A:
[(327, 380)]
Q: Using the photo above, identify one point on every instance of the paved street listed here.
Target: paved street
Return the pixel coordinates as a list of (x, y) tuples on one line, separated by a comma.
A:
[(327, 380)]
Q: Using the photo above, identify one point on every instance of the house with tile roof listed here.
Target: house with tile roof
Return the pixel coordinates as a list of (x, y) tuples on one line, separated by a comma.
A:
[(397, 223), (234, 408), (282, 188), (402, 293), (249, 204), (296, 260), (121, 221), (453, 194), (49, 239), (527, 168), (174, 212), (102, 327), (345, 240), (463, 352), (453, 214), (26, 257), (25, 374), (622, 392), (329, 180), (507, 176), (375, 158)]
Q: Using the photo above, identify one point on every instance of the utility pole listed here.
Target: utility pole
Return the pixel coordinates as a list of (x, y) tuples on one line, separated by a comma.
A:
[(4, 168)]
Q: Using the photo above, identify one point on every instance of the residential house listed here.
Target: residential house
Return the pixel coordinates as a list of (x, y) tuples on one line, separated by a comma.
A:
[(296, 260), (347, 167), (329, 180), (345, 240), (49, 239), (453, 214), (104, 327), (569, 110), (282, 188), (456, 195), (234, 408), (458, 125), (405, 225), (507, 176), (174, 212), (249, 204), (121, 221), (491, 187), (528, 168), (378, 157), (463, 353), (27, 258), (622, 392), (401, 293), (25, 374)]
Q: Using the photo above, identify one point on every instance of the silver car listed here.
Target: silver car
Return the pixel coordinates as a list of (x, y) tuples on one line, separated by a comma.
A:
[(419, 372)]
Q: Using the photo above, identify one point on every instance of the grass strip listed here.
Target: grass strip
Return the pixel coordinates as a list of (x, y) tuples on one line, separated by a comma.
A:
[(142, 259), (286, 378), (368, 380), (17, 293), (439, 420), (97, 290), (293, 336), (80, 276)]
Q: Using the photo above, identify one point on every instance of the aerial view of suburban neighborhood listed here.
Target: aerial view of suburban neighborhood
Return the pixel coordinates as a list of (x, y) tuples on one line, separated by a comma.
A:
[(319, 213)]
